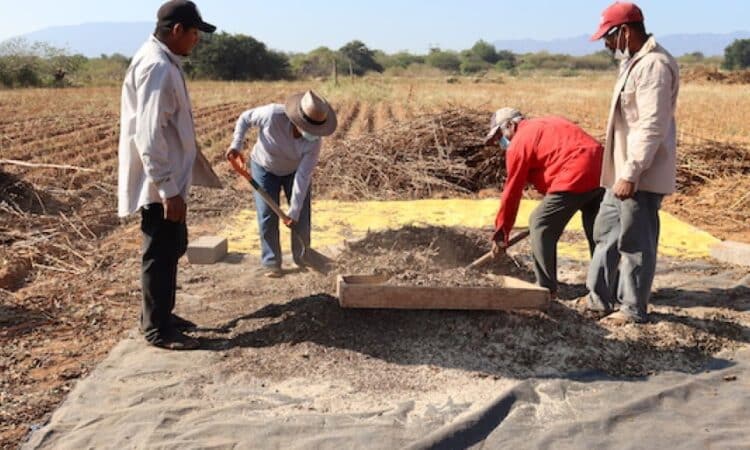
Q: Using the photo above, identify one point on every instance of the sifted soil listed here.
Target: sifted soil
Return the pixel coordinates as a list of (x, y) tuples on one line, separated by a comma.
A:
[(277, 329)]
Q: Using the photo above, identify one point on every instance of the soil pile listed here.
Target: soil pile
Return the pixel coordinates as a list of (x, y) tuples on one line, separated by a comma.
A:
[(713, 75), (427, 256)]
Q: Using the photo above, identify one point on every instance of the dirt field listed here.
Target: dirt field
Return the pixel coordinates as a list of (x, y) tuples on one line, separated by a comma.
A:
[(300, 314), (68, 279)]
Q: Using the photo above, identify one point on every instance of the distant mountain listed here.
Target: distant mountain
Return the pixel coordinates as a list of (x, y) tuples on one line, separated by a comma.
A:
[(710, 44), (578, 45), (95, 39)]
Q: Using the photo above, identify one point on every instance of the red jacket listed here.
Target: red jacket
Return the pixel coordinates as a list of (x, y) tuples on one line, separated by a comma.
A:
[(553, 154)]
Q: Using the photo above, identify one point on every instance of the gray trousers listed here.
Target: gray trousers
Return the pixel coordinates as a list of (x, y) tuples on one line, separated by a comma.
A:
[(624, 262), (547, 223)]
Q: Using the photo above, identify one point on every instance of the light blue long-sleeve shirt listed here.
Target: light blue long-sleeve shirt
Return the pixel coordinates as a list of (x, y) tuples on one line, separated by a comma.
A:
[(278, 151)]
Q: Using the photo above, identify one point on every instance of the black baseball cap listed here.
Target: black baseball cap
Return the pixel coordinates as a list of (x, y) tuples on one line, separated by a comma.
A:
[(184, 12)]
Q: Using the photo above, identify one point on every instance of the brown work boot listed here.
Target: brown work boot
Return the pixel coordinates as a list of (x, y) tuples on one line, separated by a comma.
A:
[(584, 306), (620, 318), (174, 340), (272, 272)]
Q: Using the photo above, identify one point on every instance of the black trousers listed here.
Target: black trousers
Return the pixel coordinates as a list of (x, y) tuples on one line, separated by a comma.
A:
[(164, 242)]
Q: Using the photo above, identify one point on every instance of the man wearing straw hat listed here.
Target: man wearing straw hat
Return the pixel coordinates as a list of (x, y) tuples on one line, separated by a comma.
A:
[(639, 167), (284, 157), (563, 162)]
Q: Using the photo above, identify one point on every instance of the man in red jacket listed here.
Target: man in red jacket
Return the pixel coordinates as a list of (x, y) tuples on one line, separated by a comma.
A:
[(562, 162)]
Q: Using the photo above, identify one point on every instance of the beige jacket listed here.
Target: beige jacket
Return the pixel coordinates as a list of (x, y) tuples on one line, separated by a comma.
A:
[(641, 144)]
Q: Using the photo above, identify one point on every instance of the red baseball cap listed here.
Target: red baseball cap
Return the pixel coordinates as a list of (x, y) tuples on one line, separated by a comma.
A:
[(617, 14)]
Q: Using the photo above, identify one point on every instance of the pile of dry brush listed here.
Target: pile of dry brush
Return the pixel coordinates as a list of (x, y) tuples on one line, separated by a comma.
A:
[(442, 154), (715, 180), (48, 229), (710, 160), (434, 154)]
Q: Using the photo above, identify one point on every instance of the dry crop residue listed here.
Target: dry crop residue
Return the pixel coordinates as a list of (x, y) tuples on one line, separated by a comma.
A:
[(433, 154)]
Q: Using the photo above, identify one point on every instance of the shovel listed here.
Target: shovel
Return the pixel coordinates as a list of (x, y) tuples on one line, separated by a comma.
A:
[(309, 257), (488, 256)]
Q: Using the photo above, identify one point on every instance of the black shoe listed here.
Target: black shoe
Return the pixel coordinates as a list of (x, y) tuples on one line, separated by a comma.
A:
[(176, 322), (174, 340), (181, 324)]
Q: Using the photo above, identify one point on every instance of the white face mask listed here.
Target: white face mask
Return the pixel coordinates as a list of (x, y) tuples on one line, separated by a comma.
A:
[(621, 55), (309, 137)]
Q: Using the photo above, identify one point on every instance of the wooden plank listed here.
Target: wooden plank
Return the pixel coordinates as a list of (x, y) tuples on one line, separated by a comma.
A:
[(365, 291), (737, 253)]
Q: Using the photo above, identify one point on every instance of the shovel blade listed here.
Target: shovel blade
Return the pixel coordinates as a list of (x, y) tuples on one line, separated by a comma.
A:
[(317, 261)]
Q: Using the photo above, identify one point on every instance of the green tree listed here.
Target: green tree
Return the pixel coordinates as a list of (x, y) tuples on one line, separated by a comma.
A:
[(737, 55), (401, 59), (471, 63), (443, 60), (406, 59), (485, 51), (601, 60), (317, 63), (27, 64), (226, 56), (506, 60), (105, 70), (361, 58), (474, 65)]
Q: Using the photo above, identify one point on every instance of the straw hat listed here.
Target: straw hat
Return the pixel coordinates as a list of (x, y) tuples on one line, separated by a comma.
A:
[(311, 113)]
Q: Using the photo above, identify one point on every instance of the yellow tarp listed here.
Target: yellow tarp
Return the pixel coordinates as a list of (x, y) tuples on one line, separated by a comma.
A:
[(335, 221)]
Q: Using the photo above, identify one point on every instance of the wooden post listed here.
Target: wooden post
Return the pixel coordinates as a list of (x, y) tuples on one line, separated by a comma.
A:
[(335, 73)]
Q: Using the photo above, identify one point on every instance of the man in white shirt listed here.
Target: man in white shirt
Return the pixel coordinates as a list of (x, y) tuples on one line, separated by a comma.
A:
[(284, 157), (157, 153)]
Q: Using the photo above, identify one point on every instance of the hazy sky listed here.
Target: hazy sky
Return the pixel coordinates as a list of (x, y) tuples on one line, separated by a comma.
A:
[(391, 25)]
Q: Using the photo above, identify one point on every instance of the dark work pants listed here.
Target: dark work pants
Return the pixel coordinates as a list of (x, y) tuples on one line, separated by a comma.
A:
[(547, 223), (164, 242)]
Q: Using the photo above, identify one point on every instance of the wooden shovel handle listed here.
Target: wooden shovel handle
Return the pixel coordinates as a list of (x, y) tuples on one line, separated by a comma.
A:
[(486, 257), (489, 256), (238, 164)]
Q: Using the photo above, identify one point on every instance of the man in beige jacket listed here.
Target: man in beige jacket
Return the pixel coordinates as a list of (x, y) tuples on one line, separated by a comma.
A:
[(638, 170)]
